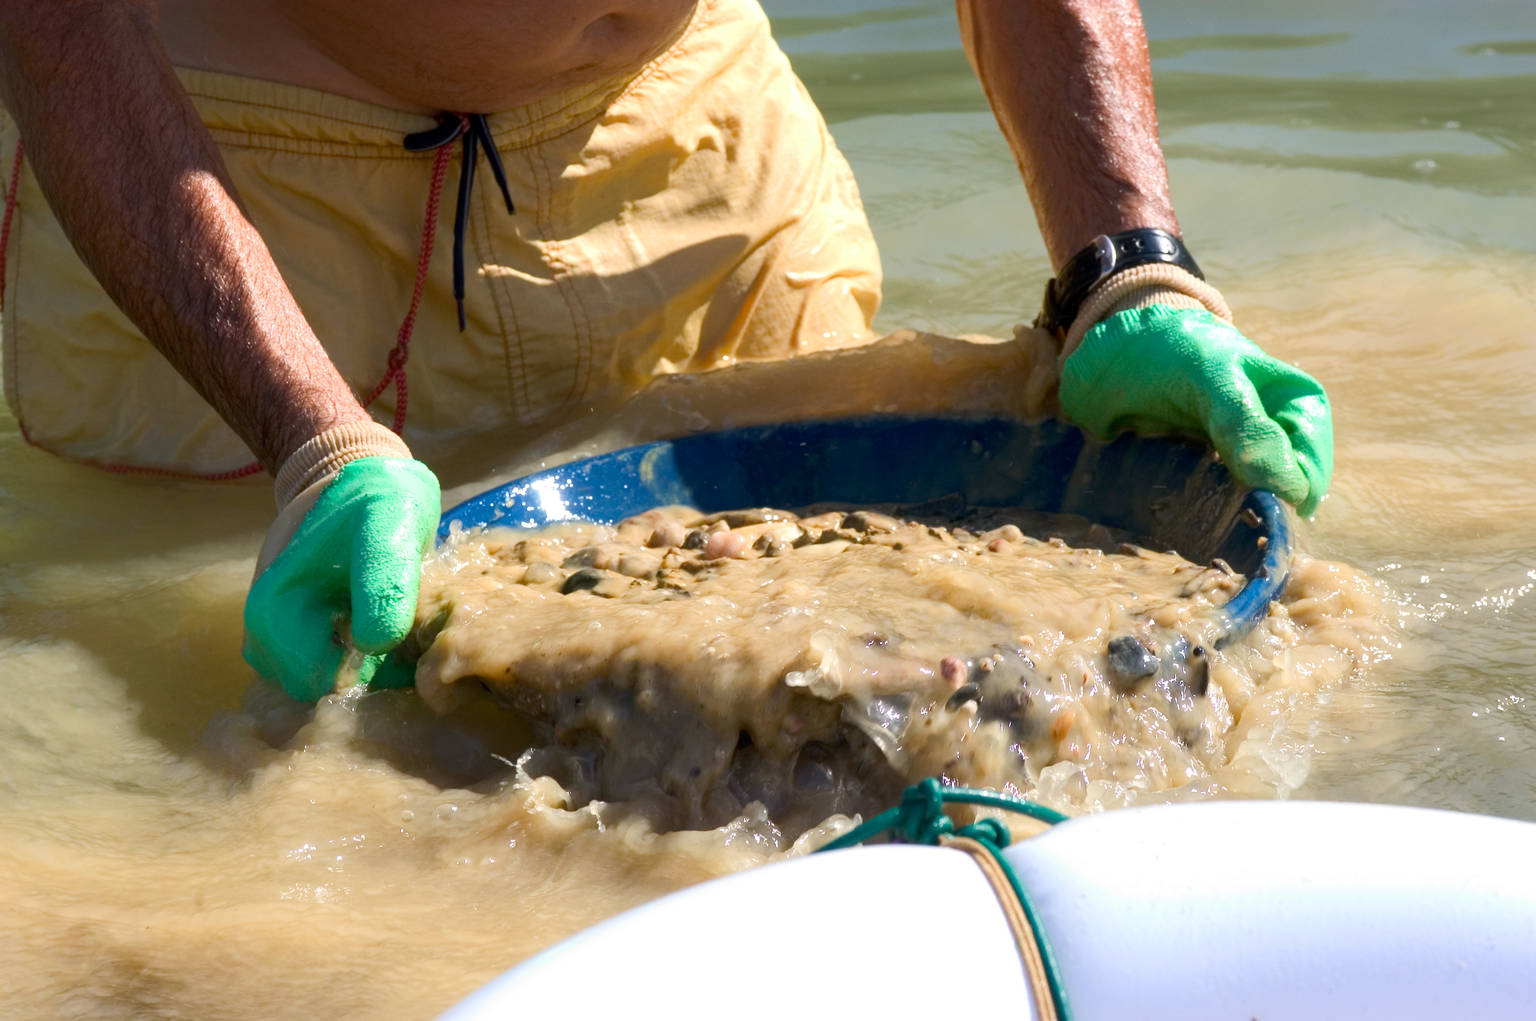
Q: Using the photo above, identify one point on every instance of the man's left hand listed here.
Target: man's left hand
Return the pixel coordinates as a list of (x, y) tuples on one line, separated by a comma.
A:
[(1162, 369)]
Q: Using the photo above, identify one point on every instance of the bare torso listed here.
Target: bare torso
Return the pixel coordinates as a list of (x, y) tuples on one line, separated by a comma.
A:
[(467, 55)]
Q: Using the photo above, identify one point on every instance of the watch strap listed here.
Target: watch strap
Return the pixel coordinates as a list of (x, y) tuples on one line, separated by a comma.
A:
[(1105, 256)]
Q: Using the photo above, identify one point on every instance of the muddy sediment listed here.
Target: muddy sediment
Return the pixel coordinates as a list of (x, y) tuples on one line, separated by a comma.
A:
[(693, 665)]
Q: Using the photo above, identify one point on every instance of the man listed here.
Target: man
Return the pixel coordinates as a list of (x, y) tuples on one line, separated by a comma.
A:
[(255, 188)]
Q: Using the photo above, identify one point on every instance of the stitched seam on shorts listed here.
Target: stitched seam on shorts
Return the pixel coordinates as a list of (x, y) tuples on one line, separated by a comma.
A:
[(530, 128), (520, 143), (305, 114), (485, 251), (581, 379), (301, 147), (561, 270)]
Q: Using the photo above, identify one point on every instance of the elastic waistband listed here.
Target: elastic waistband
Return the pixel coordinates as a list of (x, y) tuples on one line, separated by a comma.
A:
[(273, 114)]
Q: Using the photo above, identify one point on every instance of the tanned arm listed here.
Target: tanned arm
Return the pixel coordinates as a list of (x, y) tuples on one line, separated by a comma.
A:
[(1071, 85), (138, 185)]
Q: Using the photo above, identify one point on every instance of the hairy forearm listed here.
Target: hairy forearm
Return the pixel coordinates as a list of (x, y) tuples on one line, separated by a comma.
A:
[(1071, 85), (139, 188)]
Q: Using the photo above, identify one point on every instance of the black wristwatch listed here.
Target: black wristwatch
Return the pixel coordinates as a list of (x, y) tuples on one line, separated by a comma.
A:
[(1106, 256)]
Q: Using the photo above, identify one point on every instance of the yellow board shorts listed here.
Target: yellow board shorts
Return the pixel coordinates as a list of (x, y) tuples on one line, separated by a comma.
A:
[(693, 215)]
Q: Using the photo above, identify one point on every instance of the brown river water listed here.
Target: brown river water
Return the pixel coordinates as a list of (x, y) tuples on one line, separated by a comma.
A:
[(1358, 178)]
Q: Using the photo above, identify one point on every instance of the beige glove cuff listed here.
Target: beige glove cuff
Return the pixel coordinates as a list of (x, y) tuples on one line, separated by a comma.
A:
[(307, 471), (1141, 287), (325, 455)]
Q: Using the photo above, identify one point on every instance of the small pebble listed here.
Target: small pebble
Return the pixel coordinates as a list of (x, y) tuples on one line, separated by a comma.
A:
[(540, 574), (638, 565), (633, 530), (669, 533), (869, 521), (1061, 724), (587, 556), (695, 539), (724, 544), (954, 671)]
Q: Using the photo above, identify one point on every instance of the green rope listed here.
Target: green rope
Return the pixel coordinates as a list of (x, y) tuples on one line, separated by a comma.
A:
[(920, 819)]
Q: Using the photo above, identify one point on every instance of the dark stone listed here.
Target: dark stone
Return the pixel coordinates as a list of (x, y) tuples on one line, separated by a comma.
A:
[(1130, 662), (963, 694), (1199, 680), (585, 579)]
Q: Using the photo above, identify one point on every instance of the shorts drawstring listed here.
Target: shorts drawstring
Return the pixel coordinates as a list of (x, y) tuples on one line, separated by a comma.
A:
[(395, 366), (476, 135), (475, 132), (10, 214)]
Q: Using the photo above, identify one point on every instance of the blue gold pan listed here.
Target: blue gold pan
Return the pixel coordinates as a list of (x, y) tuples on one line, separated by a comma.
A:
[(1171, 493)]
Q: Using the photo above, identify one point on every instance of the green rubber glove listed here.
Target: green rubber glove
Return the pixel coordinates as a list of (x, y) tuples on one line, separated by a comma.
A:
[(1163, 369), (355, 557)]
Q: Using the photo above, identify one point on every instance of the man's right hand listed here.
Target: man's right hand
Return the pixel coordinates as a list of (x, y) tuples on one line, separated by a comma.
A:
[(354, 561)]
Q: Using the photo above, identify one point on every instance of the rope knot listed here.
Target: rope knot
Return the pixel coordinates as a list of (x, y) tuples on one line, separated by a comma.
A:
[(921, 818), (989, 830)]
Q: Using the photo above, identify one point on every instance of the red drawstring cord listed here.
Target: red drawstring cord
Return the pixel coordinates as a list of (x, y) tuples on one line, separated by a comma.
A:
[(398, 355), (402, 349), (10, 213)]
